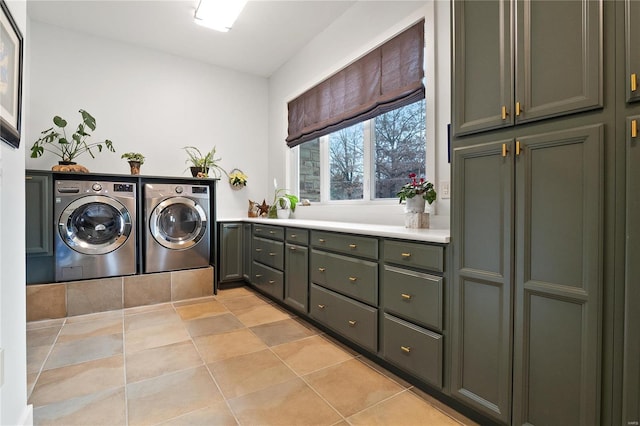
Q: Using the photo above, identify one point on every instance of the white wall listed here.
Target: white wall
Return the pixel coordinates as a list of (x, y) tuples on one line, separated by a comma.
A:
[(13, 393), (363, 27), (149, 102)]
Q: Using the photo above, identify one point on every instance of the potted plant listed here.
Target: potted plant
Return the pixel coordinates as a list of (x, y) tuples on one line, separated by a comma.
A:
[(237, 179), (409, 191), (135, 160), (68, 149), (200, 164), (283, 203)]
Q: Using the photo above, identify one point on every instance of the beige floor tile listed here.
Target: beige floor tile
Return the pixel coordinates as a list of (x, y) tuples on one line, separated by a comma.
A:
[(31, 381), (82, 330), (33, 325), (88, 349), (146, 309), (226, 345), (234, 292), (385, 372), (155, 336), (405, 409), (36, 357), (311, 354), (443, 407), (162, 360), (101, 408), (191, 283), (42, 336), (288, 403), (46, 302), (235, 304), (222, 323), (146, 289), (90, 296), (179, 303), (262, 314), (166, 397), (200, 310), (244, 374), (164, 316), (351, 386), (78, 380), (216, 414), (279, 332)]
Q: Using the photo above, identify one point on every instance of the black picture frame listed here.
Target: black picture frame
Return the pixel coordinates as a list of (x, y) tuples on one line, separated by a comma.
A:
[(11, 58)]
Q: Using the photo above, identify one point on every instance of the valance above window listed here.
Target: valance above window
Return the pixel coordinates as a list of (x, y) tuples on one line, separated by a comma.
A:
[(387, 78)]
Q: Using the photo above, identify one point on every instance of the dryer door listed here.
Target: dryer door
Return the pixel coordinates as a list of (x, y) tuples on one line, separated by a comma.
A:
[(178, 223), (95, 224)]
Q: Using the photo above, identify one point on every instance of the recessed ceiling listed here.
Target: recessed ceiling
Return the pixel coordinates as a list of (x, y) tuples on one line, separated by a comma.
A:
[(266, 34)]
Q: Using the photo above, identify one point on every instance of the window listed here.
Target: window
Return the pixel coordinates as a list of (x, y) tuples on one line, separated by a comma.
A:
[(369, 160)]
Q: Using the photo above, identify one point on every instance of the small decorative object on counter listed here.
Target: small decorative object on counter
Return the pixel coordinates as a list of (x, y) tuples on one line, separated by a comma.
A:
[(237, 179), (69, 149), (135, 160), (283, 203), (263, 209), (416, 194), (254, 209), (201, 164)]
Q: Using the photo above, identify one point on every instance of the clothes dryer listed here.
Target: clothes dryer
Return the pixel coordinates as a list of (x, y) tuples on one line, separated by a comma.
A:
[(177, 234), (95, 234)]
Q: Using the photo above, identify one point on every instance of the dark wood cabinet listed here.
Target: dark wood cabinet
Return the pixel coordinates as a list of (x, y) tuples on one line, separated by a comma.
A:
[(247, 238), (39, 214), (296, 286), (231, 258), (525, 60), (632, 50)]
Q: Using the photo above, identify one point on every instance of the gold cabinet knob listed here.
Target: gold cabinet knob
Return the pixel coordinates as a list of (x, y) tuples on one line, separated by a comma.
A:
[(272, 254), (353, 279), (321, 240), (321, 306), (405, 255), (258, 250), (258, 275), (406, 296), (352, 323), (352, 246), (405, 349), (272, 282), (322, 269)]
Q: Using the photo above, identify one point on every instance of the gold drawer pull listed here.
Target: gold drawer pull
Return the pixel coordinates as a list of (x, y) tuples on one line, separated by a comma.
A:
[(272, 254), (405, 254), (406, 349), (258, 250), (258, 229), (292, 247), (293, 235), (321, 306), (634, 82), (258, 275), (406, 296), (503, 112), (272, 282), (353, 279), (322, 269), (272, 232), (353, 323), (321, 240), (634, 128), (352, 246)]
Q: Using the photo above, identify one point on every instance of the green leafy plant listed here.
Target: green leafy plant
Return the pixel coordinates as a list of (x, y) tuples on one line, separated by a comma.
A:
[(417, 187), (204, 161), (133, 156), (57, 142), (282, 200)]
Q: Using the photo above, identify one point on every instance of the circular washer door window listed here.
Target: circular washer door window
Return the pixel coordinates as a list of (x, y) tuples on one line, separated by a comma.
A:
[(178, 223)]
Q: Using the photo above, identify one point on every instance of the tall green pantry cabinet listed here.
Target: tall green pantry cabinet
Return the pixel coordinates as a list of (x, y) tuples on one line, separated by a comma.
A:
[(531, 122)]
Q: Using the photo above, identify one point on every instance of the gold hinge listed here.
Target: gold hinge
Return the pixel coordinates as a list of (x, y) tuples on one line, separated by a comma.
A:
[(517, 147), (504, 150), (634, 82), (634, 128), (504, 113), (518, 109)]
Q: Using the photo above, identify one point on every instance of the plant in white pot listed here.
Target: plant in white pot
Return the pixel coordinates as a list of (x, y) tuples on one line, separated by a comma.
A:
[(416, 193), (283, 203)]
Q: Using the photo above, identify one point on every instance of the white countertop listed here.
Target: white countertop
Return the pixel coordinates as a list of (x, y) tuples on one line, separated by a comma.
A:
[(429, 235)]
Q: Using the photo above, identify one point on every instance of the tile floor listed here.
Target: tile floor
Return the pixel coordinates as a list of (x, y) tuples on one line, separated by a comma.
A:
[(234, 358)]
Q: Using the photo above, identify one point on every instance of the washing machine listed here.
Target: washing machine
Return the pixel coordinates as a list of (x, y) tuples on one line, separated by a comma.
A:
[(95, 234), (177, 234)]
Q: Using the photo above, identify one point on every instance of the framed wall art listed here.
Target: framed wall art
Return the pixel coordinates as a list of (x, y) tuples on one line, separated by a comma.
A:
[(10, 78)]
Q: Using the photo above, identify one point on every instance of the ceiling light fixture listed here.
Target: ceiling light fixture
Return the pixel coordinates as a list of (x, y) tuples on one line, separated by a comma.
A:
[(218, 14)]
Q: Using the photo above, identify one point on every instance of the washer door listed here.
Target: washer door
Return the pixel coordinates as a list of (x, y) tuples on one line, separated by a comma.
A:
[(178, 223), (95, 224)]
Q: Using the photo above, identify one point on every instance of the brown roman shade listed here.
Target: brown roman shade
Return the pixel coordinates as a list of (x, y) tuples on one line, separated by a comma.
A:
[(387, 78)]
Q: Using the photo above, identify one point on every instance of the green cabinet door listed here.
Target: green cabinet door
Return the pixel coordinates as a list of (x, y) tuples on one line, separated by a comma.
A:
[(632, 50), (483, 81), (296, 285), (631, 394), (558, 58), (558, 281), (231, 259), (481, 316), (39, 215), (247, 253)]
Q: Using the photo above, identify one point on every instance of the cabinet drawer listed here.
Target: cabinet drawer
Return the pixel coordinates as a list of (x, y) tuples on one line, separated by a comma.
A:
[(297, 236), (352, 319), (416, 255), (344, 243), (413, 296), (269, 231), (414, 349), (268, 280), (269, 252), (353, 277)]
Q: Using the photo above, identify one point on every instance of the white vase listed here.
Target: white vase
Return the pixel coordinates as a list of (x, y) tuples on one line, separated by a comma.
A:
[(283, 213), (415, 205)]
